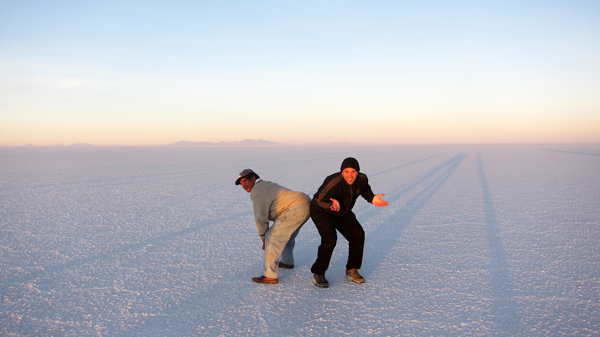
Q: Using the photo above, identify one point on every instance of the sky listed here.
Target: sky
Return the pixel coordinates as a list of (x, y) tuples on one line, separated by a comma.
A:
[(385, 72)]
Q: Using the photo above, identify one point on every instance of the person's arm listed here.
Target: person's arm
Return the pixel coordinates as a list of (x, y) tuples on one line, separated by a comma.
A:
[(335, 205), (261, 217), (261, 206), (325, 199), (367, 192), (262, 222), (377, 201), (371, 197)]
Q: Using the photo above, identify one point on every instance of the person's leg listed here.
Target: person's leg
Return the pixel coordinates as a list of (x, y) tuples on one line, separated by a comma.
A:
[(279, 234), (287, 256), (326, 227), (351, 229)]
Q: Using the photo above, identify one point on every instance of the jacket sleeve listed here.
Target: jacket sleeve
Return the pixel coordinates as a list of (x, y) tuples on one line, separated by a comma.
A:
[(261, 216), (367, 192), (325, 192), (261, 212)]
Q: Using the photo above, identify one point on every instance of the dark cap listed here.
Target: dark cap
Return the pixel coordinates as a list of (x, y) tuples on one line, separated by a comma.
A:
[(350, 162), (245, 173)]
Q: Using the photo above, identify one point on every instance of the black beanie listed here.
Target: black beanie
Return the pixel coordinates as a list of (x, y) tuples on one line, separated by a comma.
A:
[(350, 162)]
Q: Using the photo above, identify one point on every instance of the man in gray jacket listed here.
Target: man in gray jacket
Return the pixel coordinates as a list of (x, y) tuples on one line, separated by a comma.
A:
[(288, 210)]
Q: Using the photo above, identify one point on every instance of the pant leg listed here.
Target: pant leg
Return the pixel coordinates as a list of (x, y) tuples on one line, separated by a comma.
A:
[(351, 229), (326, 227), (277, 237), (287, 256)]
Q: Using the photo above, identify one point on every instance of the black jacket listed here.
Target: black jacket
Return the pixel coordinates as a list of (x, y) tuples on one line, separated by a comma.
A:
[(337, 188)]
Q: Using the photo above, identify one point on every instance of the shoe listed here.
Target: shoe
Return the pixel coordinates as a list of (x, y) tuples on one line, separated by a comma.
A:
[(320, 281), (354, 276), (264, 279), (286, 266)]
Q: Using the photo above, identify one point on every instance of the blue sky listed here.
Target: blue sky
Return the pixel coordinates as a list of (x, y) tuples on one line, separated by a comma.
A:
[(154, 72)]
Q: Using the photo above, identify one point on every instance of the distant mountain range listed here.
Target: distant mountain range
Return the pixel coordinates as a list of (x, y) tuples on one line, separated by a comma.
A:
[(60, 145), (241, 142), (245, 142)]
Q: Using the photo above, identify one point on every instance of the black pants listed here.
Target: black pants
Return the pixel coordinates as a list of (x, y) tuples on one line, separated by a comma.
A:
[(349, 227)]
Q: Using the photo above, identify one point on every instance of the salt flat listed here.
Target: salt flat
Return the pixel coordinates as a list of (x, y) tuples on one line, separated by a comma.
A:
[(478, 240)]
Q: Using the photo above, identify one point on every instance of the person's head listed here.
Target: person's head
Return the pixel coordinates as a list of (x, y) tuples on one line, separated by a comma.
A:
[(247, 179), (350, 169)]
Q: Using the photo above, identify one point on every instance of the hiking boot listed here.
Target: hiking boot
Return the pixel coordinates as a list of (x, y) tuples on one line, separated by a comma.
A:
[(264, 279), (320, 281), (286, 266), (354, 276)]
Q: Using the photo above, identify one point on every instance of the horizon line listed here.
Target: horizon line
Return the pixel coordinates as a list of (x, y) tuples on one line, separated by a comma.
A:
[(262, 142)]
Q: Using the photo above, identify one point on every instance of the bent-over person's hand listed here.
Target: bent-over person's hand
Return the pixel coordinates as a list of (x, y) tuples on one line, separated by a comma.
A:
[(377, 201), (263, 240)]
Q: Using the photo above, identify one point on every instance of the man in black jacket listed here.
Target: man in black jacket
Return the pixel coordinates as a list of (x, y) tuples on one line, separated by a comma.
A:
[(331, 210)]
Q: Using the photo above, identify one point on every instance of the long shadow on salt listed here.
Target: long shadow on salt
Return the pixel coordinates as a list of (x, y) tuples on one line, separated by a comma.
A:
[(404, 165), (504, 296), (392, 231), (393, 227)]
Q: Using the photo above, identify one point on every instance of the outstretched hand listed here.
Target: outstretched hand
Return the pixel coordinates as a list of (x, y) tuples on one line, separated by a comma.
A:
[(377, 201), (335, 206)]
